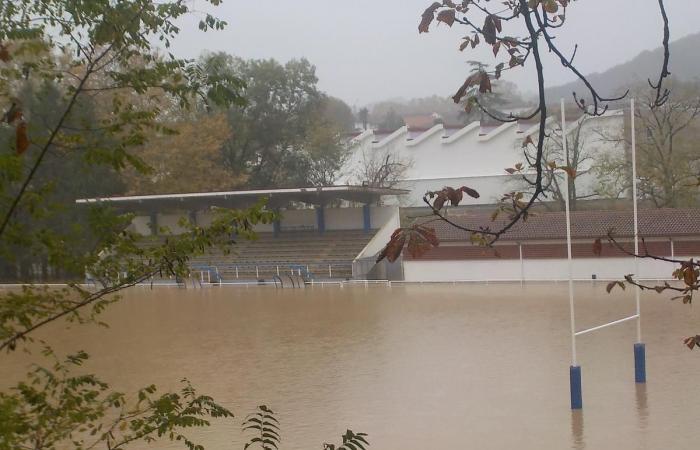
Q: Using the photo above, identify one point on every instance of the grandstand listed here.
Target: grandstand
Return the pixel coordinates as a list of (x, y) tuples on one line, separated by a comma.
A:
[(305, 253), (311, 240)]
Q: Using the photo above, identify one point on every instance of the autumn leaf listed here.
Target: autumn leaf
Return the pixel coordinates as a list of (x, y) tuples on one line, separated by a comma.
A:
[(510, 170), (612, 284), (692, 342), (428, 17), (417, 239), (472, 80), (484, 83), (440, 201), (420, 240), (551, 6), (447, 16), (527, 141), (4, 53), (22, 140), (690, 274), (569, 171), (464, 44), (12, 114), (393, 249), (489, 30), (470, 192), (597, 247), (496, 47)]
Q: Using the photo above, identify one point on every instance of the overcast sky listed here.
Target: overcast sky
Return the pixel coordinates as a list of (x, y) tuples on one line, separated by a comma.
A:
[(370, 50)]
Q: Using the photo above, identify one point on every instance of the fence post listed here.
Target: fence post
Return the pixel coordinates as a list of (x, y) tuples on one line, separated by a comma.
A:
[(330, 271), (257, 273)]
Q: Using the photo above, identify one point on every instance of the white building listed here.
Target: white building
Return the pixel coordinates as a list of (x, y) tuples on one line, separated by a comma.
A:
[(474, 156)]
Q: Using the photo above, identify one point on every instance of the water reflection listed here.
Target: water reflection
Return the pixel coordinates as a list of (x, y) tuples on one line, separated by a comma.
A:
[(577, 437), (642, 405)]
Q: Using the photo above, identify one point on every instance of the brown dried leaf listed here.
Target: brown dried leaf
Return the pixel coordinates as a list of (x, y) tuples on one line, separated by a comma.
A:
[(428, 17), (489, 30), (569, 171), (496, 47), (470, 192), (485, 83), (464, 44), (4, 53), (472, 80), (510, 170), (22, 140), (446, 16), (393, 248)]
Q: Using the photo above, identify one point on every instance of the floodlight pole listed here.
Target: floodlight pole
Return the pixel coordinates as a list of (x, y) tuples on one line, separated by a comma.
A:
[(640, 375), (574, 369)]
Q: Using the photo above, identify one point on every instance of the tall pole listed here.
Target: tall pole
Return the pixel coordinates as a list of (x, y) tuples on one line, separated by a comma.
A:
[(575, 369), (639, 348)]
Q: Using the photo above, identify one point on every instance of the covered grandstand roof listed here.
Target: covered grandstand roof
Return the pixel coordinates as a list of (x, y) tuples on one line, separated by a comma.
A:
[(240, 199), (663, 222)]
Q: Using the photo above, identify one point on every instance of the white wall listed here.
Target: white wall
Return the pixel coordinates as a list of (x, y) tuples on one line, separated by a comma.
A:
[(471, 156), (533, 269), (344, 219)]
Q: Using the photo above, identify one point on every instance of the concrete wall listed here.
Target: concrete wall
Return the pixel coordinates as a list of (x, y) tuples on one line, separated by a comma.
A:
[(533, 269), (473, 156), (293, 219)]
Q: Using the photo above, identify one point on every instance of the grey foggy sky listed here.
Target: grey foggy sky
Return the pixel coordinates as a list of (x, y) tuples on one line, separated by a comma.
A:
[(370, 50)]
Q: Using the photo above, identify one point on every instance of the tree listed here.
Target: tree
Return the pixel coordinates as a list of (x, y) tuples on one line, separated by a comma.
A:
[(325, 152), (283, 104), (338, 113), (565, 170), (392, 121), (186, 158), (363, 116), (85, 55), (382, 168), (668, 163)]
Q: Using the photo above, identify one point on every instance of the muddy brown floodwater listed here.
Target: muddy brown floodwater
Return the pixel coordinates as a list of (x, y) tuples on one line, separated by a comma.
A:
[(415, 367)]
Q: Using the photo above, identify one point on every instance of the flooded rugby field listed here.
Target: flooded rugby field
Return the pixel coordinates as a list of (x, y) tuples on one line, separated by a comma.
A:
[(466, 366)]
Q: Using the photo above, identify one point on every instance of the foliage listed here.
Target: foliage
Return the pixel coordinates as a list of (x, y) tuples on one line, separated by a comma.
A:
[(179, 158), (266, 426), (279, 136), (391, 121), (338, 113), (83, 88), (351, 441), (668, 163), (53, 407), (266, 433)]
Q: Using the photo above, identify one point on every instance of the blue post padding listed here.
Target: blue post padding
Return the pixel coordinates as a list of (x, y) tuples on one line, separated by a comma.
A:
[(640, 363), (575, 383), (321, 219), (366, 218)]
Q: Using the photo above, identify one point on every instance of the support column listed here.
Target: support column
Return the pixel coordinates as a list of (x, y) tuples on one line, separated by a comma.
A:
[(366, 218), (321, 219), (276, 227), (640, 371), (193, 217), (153, 224), (575, 384)]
